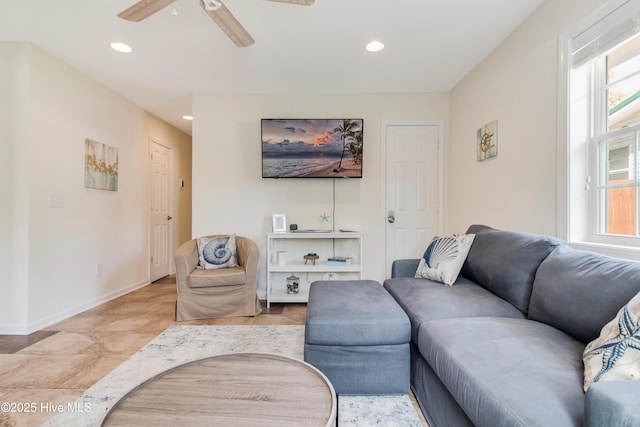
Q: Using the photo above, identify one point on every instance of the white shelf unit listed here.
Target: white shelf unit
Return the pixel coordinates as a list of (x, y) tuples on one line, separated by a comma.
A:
[(296, 246)]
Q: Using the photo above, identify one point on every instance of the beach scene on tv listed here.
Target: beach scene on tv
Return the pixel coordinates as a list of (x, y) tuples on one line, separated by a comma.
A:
[(315, 148)]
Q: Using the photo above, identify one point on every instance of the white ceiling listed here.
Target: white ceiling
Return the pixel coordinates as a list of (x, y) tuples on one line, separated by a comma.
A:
[(430, 46)]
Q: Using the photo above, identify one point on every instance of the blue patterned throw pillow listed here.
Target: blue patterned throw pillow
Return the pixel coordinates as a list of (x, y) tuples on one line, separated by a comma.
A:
[(217, 252), (443, 259), (615, 354)]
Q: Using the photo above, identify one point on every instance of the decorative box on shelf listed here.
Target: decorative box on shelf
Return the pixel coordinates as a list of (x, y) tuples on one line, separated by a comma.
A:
[(302, 254)]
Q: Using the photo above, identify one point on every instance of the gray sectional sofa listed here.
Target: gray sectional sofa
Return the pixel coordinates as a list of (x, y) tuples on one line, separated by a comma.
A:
[(503, 346)]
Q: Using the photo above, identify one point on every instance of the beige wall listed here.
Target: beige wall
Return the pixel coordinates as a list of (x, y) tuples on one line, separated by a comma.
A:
[(516, 85), (231, 197), (14, 182), (56, 250)]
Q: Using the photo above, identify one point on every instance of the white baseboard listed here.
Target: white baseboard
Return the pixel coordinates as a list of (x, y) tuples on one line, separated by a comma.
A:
[(22, 329), (13, 329)]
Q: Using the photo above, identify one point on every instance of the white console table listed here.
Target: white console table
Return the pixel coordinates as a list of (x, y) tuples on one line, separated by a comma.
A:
[(295, 246)]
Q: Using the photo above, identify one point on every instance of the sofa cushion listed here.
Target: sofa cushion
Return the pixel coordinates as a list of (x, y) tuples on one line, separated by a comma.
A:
[(354, 313), (444, 257), (507, 372), (220, 277), (615, 354), (217, 252), (505, 262), (579, 292), (425, 300)]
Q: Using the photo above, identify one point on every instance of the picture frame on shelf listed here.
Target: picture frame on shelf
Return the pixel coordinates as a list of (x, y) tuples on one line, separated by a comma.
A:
[(279, 223)]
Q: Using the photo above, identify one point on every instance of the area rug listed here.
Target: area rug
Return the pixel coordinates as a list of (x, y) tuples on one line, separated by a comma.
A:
[(181, 344)]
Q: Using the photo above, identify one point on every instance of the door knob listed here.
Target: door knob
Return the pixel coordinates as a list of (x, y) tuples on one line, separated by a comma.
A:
[(169, 217), (391, 217)]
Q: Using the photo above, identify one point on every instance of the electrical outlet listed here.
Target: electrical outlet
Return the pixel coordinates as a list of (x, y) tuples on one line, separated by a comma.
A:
[(330, 276), (98, 270)]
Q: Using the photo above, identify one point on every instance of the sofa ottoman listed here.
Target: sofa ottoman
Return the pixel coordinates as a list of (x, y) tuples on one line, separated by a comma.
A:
[(358, 336)]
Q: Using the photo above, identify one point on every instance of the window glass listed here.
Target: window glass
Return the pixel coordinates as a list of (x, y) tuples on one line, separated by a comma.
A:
[(619, 211), (618, 186), (619, 161), (623, 85)]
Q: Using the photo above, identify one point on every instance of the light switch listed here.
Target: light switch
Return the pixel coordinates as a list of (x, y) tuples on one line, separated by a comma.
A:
[(56, 201)]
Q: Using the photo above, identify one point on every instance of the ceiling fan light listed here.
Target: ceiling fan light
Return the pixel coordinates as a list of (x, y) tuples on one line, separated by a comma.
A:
[(121, 47), (211, 5), (374, 46)]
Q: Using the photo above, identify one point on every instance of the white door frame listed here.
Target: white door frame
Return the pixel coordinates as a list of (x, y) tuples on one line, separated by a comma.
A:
[(172, 228), (383, 168)]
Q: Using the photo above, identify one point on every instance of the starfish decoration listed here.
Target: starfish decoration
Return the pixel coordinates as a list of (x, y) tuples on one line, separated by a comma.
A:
[(613, 349), (324, 217)]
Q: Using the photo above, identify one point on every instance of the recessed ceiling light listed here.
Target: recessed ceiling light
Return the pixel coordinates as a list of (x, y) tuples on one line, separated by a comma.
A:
[(121, 47), (374, 46), (187, 117)]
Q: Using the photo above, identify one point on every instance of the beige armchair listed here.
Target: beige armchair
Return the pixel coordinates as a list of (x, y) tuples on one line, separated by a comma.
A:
[(225, 292)]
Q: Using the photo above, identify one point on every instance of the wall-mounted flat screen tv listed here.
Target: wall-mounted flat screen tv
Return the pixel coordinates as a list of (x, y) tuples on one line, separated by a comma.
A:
[(312, 148)]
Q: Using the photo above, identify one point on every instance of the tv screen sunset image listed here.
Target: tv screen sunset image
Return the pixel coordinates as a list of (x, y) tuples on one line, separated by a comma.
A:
[(312, 148)]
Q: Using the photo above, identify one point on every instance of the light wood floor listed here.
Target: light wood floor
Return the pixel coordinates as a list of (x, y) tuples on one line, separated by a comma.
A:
[(55, 365)]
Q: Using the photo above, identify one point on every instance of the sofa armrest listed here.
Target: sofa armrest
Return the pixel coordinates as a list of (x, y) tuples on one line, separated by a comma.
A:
[(613, 403), (248, 256), (404, 267), (186, 258)]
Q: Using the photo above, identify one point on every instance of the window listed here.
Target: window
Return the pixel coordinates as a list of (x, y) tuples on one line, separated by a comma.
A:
[(603, 176), (616, 141)]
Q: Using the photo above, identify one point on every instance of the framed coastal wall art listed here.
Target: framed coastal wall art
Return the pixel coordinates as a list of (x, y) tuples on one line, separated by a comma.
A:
[(100, 166), (487, 141)]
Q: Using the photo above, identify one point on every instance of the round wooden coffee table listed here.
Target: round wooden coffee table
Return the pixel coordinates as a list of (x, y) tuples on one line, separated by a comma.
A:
[(244, 389)]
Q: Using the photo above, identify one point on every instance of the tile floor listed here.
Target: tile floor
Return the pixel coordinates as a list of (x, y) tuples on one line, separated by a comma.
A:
[(53, 366)]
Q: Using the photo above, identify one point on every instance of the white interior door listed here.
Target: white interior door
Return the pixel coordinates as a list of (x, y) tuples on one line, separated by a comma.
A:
[(412, 190), (160, 211)]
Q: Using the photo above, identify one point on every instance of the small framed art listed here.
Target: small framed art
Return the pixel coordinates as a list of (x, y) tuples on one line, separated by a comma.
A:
[(100, 166), (279, 223), (488, 141)]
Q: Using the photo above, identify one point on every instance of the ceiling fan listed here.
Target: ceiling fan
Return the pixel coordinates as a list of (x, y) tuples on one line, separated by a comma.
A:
[(214, 8)]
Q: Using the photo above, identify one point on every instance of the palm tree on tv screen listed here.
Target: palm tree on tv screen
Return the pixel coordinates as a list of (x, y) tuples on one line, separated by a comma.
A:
[(346, 129), (355, 147)]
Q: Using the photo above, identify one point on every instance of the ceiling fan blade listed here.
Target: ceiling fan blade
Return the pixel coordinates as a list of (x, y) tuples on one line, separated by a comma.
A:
[(300, 2), (143, 9), (229, 24)]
